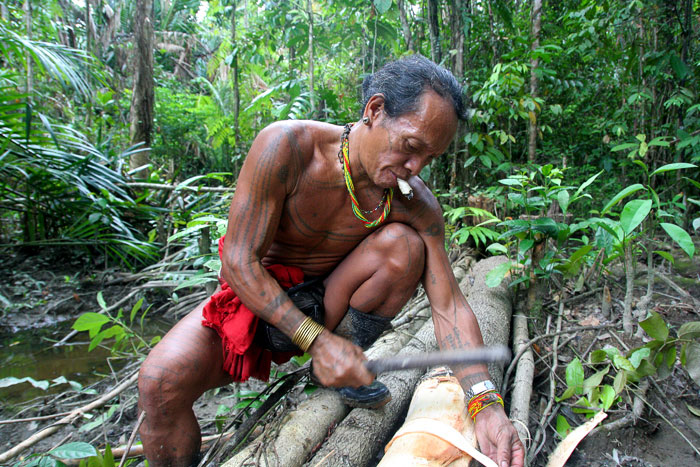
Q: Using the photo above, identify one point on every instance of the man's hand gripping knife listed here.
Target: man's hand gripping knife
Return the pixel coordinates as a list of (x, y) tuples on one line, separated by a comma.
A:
[(337, 361)]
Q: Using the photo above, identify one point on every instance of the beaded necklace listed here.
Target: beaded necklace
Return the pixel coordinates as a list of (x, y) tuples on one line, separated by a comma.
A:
[(344, 158)]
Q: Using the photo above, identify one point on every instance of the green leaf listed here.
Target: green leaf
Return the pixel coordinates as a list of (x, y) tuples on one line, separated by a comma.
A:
[(692, 361), (607, 396), (598, 356), (681, 237), (563, 199), (689, 330), (639, 355), (586, 184), (525, 245), (594, 380), (135, 310), (11, 381), (622, 363), (568, 393), (91, 322), (655, 326), (99, 420), (574, 375), (620, 381), (496, 248), (101, 300), (665, 255), (563, 427), (382, 6), (496, 275), (674, 166), (622, 194), (694, 410), (634, 214), (623, 146), (76, 450)]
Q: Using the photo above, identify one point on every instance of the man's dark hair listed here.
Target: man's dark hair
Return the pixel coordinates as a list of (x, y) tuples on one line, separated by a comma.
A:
[(403, 82)]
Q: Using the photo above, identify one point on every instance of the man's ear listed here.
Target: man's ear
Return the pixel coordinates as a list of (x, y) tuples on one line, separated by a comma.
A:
[(374, 107)]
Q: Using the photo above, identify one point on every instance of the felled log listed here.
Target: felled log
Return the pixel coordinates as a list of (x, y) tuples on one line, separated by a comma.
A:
[(492, 306), (308, 425), (362, 434), (437, 431)]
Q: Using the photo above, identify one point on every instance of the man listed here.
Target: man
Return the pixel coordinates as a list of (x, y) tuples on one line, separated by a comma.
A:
[(317, 200)]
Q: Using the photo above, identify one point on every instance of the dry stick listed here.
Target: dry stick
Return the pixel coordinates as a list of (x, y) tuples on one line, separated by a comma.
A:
[(34, 419), (108, 309), (552, 382), (36, 437), (158, 186), (132, 437), (523, 349)]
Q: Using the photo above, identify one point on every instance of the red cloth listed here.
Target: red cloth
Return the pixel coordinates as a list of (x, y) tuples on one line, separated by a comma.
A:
[(236, 325)]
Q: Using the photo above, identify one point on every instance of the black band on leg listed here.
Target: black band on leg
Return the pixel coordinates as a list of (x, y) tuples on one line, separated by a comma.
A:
[(362, 329)]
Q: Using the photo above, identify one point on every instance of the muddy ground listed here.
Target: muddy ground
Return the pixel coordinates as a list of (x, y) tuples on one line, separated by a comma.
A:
[(43, 294)]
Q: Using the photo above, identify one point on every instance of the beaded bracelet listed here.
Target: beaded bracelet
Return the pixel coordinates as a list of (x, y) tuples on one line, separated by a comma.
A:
[(306, 333), (480, 402)]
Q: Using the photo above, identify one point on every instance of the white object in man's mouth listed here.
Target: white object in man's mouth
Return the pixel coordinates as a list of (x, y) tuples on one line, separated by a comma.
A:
[(405, 188)]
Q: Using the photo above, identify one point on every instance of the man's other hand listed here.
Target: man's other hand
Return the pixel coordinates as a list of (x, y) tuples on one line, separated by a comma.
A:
[(497, 437), (337, 362)]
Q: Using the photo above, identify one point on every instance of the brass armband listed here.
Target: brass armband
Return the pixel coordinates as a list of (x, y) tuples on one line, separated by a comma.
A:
[(306, 333)]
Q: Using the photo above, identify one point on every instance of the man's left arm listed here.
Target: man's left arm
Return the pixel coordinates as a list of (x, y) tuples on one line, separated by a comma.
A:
[(456, 327)]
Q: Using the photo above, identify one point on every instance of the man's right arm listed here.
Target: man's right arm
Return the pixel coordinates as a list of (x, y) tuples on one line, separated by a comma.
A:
[(273, 166)]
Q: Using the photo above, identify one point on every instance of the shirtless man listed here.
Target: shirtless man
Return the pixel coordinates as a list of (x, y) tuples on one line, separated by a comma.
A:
[(293, 206)]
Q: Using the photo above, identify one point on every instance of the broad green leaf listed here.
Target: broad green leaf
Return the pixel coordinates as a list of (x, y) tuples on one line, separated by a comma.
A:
[(496, 275), (563, 199), (607, 396), (574, 375), (689, 330), (622, 363), (634, 214), (623, 146), (568, 393), (76, 450), (101, 300), (495, 248), (692, 361), (586, 184), (665, 255), (91, 322), (696, 224), (563, 427), (622, 194), (674, 166), (382, 6), (655, 326), (525, 245), (681, 237), (598, 356), (594, 380), (639, 355)]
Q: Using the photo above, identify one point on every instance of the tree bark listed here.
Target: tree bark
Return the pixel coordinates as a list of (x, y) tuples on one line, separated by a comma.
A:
[(433, 20), (234, 66), (534, 63), (405, 27), (142, 99), (312, 97)]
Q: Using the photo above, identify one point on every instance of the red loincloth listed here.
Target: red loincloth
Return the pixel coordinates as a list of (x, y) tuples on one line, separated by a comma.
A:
[(236, 325)]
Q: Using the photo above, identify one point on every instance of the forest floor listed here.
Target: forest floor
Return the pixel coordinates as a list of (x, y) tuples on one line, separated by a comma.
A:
[(45, 294)]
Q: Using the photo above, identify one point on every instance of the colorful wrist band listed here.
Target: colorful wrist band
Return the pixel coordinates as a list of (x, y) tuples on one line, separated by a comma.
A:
[(480, 402)]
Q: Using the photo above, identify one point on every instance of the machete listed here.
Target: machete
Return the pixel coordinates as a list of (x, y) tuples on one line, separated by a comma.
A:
[(451, 357)]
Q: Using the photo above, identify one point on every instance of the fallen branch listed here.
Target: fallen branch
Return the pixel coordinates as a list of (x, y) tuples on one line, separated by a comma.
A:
[(522, 389), (632, 417), (142, 417), (67, 420), (197, 189)]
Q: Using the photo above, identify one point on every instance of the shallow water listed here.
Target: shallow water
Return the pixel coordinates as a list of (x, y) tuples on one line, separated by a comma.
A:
[(31, 353)]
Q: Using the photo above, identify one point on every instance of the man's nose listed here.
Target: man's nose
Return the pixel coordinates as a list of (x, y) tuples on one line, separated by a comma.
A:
[(413, 164)]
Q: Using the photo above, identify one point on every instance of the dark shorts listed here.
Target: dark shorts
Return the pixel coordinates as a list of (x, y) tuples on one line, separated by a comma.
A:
[(308, 297)]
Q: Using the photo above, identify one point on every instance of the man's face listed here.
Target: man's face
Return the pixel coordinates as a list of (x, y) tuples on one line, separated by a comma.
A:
[(405, 144)]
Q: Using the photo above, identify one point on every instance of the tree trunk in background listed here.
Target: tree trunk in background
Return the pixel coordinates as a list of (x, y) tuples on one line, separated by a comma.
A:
[(433, 20), (141, 113), (405, 27), (310, 12), (234, 66), (457, 44), (494, 50), (29, 232), (534, 63)]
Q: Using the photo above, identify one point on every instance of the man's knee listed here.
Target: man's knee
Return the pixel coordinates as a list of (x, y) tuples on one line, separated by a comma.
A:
[(402, 247)]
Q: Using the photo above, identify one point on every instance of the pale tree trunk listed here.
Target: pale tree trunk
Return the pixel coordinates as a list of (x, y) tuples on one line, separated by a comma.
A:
[(405, 27), (492, 22), (141, 114), (433, 20), (234, 66), (534, 63), (312, 99), (457, 41)]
